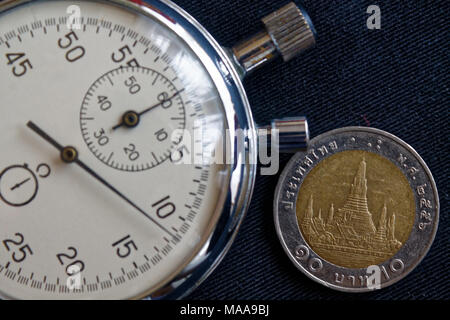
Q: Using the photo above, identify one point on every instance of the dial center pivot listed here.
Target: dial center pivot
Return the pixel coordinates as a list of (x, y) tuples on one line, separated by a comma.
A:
[(69, 154), (131, 119)]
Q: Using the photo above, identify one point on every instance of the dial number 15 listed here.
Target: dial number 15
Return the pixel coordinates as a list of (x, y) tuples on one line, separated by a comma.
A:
[(124, 247)]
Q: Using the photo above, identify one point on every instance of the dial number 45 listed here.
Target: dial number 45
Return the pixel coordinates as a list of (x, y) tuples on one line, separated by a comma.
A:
[(21, 64)]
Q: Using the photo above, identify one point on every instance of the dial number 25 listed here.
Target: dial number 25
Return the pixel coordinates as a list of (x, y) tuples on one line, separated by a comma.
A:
[(19, 250)]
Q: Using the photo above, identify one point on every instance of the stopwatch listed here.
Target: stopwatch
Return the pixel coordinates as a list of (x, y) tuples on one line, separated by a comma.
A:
[(129, 147)]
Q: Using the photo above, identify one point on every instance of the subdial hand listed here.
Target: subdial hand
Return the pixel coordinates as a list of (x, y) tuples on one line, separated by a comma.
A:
[(18, 185), (70, 155), (131, 119)]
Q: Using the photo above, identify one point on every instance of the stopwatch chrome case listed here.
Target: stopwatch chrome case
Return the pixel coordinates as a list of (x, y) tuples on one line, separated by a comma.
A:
[(226, 68)]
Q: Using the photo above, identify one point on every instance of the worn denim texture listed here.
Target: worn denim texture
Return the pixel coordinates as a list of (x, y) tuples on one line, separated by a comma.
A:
[(394, 79)]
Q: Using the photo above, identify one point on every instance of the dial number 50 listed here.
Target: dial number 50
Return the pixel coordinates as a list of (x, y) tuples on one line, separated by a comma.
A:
[(73, 53)]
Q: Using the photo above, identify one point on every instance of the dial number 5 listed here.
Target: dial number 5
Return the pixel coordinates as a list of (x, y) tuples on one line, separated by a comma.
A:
[(124, 52), (20, 250)]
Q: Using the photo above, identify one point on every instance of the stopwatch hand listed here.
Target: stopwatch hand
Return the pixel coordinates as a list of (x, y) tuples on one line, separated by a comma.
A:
[(131, 119), (70, 154)]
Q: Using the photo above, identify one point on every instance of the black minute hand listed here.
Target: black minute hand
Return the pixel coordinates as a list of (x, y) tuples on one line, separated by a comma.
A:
[(137, 115), (69, 154), (160, 103)]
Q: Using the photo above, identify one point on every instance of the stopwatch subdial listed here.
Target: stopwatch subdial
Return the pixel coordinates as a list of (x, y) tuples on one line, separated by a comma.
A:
[(133, 118), (18, 185)]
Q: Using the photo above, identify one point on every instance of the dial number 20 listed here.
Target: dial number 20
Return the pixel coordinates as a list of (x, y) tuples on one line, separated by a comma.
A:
[(131, 152), (73, 265), (73, 53)]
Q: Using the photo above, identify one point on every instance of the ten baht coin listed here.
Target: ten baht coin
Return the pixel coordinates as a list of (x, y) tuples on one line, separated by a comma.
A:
[(358, 211)]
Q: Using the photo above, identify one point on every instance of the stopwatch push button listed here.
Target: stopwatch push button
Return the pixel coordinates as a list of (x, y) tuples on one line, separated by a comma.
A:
[(288, 32), (288, 135)]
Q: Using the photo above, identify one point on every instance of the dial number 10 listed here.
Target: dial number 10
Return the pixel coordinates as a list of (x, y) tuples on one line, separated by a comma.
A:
[(164, 208)]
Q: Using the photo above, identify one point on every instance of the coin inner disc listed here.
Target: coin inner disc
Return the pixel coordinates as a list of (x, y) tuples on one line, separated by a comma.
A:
[(356, 209)]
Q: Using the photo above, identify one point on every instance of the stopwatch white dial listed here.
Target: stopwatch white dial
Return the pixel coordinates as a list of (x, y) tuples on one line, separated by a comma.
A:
[(132, 118), (126, 213)]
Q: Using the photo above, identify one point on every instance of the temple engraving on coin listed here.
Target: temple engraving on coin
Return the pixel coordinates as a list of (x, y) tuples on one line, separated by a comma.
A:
[(359, 216), (348, 226)]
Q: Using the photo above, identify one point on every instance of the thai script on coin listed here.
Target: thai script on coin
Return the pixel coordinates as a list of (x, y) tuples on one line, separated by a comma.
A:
[(358, 211)]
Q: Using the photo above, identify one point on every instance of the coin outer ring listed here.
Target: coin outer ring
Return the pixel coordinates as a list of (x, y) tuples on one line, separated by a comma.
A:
[(384, 144)]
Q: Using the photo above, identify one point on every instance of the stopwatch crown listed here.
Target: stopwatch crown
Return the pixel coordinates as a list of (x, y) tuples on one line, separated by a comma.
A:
[(288, 31), (291, 30)]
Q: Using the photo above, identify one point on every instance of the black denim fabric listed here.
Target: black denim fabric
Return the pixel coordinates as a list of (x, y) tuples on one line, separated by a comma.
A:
[(394, 79)]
